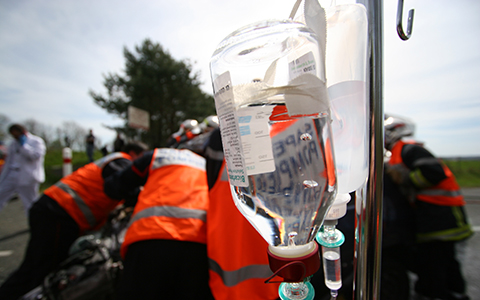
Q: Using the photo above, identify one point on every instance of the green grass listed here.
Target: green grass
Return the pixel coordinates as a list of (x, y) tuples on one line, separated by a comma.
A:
[(467, 172)]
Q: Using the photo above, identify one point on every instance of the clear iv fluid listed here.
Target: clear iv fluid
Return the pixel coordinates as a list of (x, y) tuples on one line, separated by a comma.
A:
[(331, 266), (281, 168), (288, 204)]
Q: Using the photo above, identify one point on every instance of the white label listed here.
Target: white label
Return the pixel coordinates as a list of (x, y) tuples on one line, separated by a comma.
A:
[(232, 147), (304, 64), (256, 141)]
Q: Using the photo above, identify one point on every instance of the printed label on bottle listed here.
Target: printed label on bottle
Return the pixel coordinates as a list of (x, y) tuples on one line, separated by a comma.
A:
[(256, 141), (302, 65), (232, 146)]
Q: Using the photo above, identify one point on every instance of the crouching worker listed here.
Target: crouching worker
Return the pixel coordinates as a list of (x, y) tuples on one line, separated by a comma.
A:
[(66, 210), (164, 250)]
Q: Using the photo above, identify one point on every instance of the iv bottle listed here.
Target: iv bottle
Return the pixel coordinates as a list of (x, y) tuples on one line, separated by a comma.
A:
[(274, 113)]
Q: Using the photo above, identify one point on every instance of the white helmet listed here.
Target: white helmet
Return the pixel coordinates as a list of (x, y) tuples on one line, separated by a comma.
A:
[(188, 129), (198, 143), (209, 123), (397, 127), (189, 125)]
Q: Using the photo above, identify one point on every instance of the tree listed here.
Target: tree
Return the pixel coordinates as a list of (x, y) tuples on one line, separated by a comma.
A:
[(154, 81), (46, 132), (74, 133)]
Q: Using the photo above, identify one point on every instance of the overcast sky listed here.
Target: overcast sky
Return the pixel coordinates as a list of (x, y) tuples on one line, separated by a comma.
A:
[(53, 52)]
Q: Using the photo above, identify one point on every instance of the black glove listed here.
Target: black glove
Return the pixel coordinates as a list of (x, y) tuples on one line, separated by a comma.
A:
[(398, 173), (132, 197)]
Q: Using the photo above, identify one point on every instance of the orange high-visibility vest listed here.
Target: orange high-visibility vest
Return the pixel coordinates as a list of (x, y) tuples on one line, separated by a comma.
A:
[(237, 253), (446, 193), (81, 193), (441, 217), (174, 201)]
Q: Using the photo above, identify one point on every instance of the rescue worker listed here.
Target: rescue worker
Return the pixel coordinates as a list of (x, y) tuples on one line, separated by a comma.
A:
[(65, 211), (237, 254), (187, 131), (440, 219), (164, 250)]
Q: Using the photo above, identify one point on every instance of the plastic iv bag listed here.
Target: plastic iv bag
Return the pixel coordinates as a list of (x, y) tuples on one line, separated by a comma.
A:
[(346, 61)]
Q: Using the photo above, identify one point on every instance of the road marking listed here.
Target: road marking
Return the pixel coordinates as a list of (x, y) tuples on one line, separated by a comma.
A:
[(6, 253), (476, 228)]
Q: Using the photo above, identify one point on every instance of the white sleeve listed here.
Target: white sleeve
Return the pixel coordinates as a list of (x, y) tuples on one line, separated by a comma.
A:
[(34, 148)]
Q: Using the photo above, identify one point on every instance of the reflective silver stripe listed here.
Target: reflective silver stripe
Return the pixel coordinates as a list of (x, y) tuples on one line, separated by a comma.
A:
[(167, 156), (426, 161), (232, 278), (433, 192), (106, 159), (210, 153), (87, 213), (171, 212)]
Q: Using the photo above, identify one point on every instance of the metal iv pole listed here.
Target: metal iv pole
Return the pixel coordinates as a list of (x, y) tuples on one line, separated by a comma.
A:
[(368, 231), (369, 206)]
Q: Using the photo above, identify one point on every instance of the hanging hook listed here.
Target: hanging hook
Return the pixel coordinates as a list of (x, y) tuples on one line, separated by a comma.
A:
[(400, 31)]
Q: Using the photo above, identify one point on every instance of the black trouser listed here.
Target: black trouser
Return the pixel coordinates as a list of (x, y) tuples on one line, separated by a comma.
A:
[(438, 270), (52, 232), (165, 269), (394, 281)]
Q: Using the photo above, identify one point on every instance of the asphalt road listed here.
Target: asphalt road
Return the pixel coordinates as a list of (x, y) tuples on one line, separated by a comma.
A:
[(14, 236)]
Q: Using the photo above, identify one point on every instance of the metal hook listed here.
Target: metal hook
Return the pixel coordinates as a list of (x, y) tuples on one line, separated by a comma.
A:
[(400, 31)]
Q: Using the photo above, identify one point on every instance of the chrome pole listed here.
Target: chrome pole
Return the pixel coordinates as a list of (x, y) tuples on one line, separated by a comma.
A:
[(368, 241)]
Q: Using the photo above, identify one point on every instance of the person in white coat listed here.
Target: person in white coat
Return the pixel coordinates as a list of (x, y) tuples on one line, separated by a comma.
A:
[(23, 170)]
